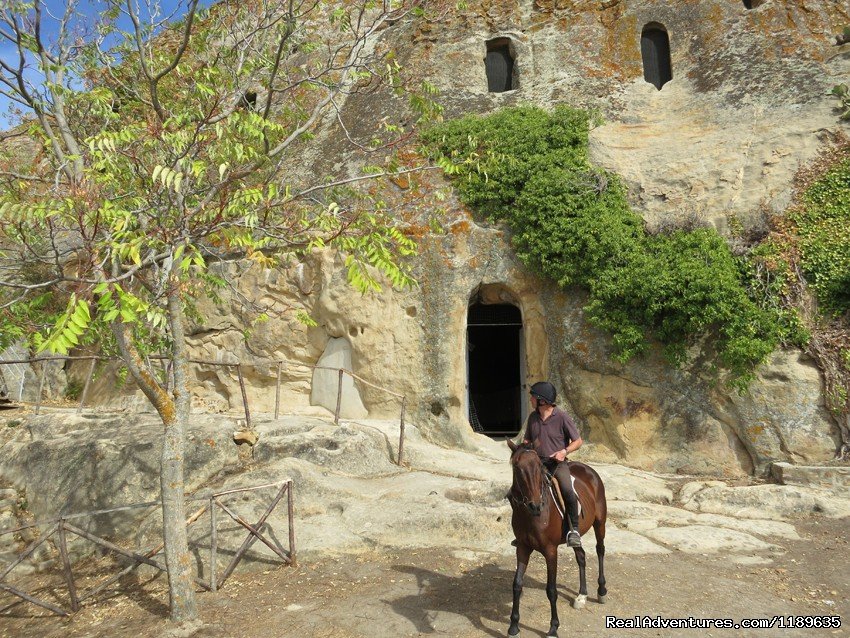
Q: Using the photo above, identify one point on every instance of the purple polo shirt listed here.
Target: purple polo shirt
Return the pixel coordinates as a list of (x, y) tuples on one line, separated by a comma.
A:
[(553, 434)]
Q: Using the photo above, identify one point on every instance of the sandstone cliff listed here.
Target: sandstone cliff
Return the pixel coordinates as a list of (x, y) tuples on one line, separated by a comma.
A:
[(747, 106)]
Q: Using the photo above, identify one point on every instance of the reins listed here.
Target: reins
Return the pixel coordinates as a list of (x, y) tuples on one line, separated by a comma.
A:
[(544, 483)]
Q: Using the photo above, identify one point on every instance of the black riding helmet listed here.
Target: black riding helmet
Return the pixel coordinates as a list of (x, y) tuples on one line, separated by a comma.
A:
[(544, 391)]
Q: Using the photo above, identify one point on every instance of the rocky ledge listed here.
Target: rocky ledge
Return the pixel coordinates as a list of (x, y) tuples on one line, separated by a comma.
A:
[(350, 495)]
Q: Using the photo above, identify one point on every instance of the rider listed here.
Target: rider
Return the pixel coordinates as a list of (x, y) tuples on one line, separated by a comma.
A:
[(554, 435)]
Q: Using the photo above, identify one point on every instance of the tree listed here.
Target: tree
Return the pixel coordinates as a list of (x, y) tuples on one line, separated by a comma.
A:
[(152, 148)]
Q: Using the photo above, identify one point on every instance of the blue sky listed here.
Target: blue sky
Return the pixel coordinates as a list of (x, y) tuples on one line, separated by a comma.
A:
[(89, 13)]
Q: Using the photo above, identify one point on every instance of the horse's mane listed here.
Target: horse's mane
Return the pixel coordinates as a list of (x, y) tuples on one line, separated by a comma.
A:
[(523, 447)]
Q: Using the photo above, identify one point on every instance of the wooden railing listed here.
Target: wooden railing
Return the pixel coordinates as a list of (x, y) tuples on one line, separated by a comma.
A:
[(61, 527), (238, 366)]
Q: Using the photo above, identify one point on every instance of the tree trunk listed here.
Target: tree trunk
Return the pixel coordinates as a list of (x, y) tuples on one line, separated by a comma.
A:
[(181, 586), (174, 411)]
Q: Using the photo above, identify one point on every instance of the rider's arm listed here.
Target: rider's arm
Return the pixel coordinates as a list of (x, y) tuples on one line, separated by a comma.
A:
[(572, 435), (573, 446)]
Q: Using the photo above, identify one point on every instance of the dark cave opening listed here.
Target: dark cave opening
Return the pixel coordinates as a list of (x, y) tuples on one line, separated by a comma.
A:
[(495, 386)]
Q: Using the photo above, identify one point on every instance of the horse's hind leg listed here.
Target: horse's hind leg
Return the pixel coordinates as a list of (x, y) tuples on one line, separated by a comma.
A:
[(522, 555), (599, 530), (581, 559)]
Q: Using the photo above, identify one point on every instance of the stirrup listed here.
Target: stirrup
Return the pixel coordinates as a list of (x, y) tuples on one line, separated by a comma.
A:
[(573, 539)]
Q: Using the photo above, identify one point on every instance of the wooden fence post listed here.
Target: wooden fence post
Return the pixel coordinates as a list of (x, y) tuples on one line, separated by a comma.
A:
[(166, 373), (277, 391), (86, 386), (338, 398), (40, 387), (291, 516), (244, 395), (66, 566), (213, 545), (401, 430)]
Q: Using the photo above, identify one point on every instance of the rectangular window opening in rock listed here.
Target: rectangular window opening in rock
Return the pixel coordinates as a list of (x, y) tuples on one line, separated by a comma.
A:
[(499, 66), (655, 52)]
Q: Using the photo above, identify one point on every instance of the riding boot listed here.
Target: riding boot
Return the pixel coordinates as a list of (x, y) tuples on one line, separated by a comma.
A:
[(570, 525)]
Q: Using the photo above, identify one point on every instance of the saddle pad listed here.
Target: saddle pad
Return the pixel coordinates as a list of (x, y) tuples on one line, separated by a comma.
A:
[(555, 499)]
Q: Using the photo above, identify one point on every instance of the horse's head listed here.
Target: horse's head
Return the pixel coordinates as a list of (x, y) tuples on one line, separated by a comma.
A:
[(527, 488)]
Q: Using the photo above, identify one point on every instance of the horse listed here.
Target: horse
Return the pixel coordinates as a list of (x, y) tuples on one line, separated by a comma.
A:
[(537, 527)]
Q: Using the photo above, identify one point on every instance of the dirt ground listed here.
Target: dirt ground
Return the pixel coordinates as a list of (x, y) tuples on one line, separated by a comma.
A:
[(437, 592)]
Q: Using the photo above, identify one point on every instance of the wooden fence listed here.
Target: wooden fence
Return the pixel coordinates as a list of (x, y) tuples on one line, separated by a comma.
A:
[(61, 527), (238, 365)]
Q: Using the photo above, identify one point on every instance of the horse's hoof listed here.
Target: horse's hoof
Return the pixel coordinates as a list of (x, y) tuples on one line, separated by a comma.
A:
[(510, 635), (580, 601), (603, 600)]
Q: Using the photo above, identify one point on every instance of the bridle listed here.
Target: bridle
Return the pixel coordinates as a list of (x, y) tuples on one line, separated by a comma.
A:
[(544, 483)]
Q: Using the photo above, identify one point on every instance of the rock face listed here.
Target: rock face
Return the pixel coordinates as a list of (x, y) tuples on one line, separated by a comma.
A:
[(349, 494), (747, 106), (643, 413), (68, 464)]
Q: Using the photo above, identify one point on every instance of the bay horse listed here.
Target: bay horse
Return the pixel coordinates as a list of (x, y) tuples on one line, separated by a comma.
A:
[(537, 527)]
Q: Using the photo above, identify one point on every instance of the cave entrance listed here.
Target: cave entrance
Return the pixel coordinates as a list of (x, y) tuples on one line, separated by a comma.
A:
[(495, 357)]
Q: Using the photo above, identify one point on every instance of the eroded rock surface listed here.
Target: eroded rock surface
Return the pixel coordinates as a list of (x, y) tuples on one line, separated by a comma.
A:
[(747, 106), (351, 496)]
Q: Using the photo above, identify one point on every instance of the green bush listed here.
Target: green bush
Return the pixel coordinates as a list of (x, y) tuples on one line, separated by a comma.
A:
[(571, 222), (823, 227)]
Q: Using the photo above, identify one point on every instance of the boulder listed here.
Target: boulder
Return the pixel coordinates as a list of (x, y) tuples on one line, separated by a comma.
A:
[(775, 502), (642, 517), (69, 463), (835, 478)]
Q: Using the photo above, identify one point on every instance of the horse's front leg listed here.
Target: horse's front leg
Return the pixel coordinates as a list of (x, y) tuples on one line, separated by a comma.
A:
[(552, 589), (522, 555), (581, 599)]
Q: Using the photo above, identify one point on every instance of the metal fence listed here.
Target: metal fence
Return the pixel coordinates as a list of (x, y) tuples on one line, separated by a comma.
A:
[(167, 373), (61, 527)]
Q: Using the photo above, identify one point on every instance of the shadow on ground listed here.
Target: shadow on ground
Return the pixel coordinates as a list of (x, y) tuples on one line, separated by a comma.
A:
[(478, 594)]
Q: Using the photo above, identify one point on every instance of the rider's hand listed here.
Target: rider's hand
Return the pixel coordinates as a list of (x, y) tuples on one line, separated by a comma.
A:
[(559, 456)]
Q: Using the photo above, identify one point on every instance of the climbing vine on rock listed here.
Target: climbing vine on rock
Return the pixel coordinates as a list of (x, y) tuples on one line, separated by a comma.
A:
[(570, 221), (809, 251)]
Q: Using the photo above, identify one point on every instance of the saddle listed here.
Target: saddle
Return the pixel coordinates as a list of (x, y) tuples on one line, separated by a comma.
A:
[(557, 497)]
